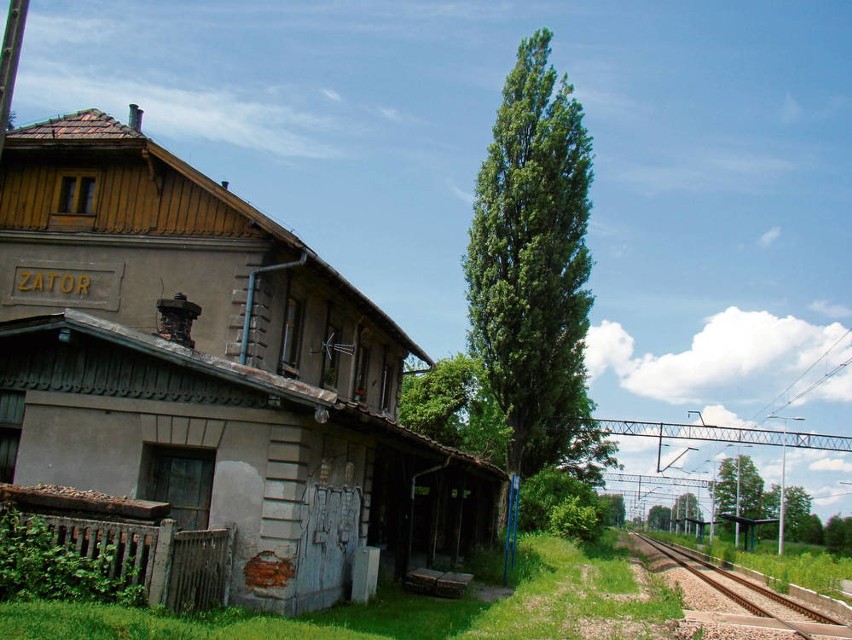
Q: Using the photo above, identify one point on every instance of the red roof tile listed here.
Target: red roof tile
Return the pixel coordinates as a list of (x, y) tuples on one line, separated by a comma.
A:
[(87, 124)]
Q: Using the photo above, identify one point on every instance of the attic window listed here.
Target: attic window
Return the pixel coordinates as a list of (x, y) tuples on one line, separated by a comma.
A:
[(76, 193)]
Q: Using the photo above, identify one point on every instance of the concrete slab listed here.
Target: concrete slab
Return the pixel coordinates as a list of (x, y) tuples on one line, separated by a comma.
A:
[(813, 628)]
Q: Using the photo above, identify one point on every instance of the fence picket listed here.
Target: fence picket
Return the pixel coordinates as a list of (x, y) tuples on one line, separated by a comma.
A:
[(188, 570)]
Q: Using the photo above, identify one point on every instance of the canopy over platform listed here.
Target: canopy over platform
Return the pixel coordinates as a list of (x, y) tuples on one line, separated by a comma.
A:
[(750, 527)]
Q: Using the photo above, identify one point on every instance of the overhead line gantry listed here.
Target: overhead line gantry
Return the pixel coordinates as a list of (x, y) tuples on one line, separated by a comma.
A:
[(735, 435), (694, 483)]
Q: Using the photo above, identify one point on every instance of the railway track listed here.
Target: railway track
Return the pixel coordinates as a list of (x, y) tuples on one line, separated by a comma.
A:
[(688, 562)]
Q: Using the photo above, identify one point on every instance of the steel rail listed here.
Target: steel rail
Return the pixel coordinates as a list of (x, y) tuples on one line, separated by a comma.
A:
[(813, 614), (727, 592)]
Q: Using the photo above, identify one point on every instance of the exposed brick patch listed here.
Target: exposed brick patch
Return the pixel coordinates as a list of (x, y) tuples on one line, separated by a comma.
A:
[(268, 570)]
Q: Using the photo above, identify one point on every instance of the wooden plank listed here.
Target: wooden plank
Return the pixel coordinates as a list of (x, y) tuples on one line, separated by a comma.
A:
[(28, 497), (439, 583)]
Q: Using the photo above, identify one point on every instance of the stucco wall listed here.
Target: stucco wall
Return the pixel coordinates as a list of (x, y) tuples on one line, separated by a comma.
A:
[(297, 491), (83, 448), (128, 276)]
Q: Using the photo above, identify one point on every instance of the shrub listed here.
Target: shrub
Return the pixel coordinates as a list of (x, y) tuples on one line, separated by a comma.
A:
[(32, 565), (541, 493), (570, 519)]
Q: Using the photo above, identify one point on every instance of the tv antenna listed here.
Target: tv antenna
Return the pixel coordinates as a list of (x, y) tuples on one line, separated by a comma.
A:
[(330, 345)]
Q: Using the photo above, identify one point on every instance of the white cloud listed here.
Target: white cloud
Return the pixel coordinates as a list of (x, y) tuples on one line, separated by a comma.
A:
[(831, 464), (713, 169), (769, 237), (217, 115), (464, 196), (608, 346), (828, 500), (332, 95), (718, 415), (791, 110), (395, 115), (55, 31), (835, 311), (736, 355)]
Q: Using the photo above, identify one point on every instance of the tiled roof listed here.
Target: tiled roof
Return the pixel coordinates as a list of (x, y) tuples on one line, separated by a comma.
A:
[(87, 124)]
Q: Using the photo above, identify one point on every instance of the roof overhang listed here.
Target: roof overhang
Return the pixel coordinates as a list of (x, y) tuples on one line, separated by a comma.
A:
[(350, 413), (77, 321)]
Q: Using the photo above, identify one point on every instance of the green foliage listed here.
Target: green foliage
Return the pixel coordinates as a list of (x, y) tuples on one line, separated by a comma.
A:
[(33, 566), (797, 513), (527, 264), (686, 506), (838, 535), (659, 518), (751, 489), (613, 511), (430, 403), (570, 519), (811, 530), (541, 493), (453, 404)]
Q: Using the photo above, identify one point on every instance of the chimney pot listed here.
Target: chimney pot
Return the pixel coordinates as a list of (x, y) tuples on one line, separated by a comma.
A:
[(135, 120), (177, 316)]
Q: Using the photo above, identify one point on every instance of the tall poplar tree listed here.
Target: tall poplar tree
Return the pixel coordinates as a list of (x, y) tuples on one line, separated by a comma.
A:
[(527, 265)]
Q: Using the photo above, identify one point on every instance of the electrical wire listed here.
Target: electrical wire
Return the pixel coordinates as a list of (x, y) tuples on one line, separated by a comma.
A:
[(765, 410), (814, 385)]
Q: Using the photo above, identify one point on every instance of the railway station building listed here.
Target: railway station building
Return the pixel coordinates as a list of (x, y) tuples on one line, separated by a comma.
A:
[(162, 339)]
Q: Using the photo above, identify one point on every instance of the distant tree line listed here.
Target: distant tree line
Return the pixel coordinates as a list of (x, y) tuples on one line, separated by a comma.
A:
[(756, 503)]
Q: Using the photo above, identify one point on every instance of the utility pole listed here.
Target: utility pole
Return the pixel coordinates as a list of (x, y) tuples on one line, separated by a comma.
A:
[(12, 42)]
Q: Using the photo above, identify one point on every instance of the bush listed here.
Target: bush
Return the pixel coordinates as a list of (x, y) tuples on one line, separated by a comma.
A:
[(570, 519), (541, 493), (32, 565)]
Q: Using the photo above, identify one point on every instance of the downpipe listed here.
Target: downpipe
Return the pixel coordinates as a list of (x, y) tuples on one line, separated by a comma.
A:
[(250, 299)]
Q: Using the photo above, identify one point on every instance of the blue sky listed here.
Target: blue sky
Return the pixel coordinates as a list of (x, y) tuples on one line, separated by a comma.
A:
[(723, 145)]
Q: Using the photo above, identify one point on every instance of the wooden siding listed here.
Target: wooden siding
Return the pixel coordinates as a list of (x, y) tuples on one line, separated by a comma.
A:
[(129, 199), (90, 367)]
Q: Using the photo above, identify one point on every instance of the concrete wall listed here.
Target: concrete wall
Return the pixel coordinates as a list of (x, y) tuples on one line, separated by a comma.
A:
[(82, 447), (279, 477), (128, 275)]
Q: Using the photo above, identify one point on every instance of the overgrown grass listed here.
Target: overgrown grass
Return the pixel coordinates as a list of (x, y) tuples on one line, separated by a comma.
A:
[(575, 587), (561, 588), (800, 565)]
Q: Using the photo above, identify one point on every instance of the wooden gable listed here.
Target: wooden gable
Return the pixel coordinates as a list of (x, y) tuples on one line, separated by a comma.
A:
[(134, 186)]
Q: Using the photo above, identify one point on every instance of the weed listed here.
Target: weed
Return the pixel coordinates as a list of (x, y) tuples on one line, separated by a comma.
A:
[(34, 566)]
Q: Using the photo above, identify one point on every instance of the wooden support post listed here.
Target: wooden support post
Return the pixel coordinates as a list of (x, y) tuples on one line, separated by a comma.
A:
[(162, 563), (457, 520), (437, 505), (229, 562), (402, 505)]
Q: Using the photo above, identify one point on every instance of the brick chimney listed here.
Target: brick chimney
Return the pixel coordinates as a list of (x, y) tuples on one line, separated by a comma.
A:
[(177, 317)]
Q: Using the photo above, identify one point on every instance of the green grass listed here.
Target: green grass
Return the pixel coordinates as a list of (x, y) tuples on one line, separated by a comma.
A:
[(561, 587), (802, 565)]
